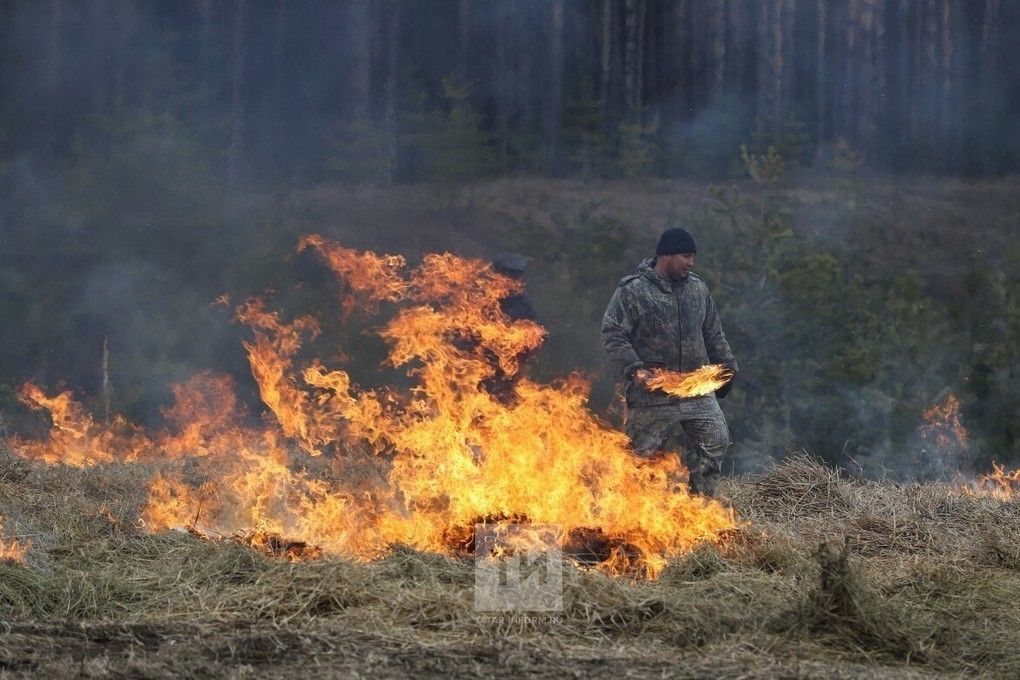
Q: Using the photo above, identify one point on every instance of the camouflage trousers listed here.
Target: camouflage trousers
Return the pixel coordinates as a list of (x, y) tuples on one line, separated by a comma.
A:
[(655, 429)]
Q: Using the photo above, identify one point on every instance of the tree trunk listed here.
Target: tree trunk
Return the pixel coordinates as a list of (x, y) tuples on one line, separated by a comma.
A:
[(669, 69), (848, 110), (879, 99), (717, 17), (821, 63), (236, 154), (640, 56), (463, 39), (990, 66), (930, 75), (205, 11), (279, 41), (947, 108), (864, 96), (392, 82), (126, 23), (989, 50), (503, 93), (653, 38), (359, 27), (53, 70), (97, 53), (632, 55), (523, 74), (554, 111), (53, 44), (740, 37), (686, 58), (605, 60), (774, 27), (789, 12), (912, 86), (695, 36), (902, 47)]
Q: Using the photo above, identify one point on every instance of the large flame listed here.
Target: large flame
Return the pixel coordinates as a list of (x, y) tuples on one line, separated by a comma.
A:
[(473, 440), (696, 383)]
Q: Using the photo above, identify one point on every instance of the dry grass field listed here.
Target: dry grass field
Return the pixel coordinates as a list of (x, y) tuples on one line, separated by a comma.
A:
[(828, 576)]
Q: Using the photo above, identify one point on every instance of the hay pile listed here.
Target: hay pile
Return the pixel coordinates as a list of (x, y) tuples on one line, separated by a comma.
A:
[(830, 577)]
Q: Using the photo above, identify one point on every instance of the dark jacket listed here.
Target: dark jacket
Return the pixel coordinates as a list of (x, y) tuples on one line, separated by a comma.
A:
[(654, 322)]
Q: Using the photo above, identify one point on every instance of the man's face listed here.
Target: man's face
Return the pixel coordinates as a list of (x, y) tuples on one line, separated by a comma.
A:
[(680, 265)]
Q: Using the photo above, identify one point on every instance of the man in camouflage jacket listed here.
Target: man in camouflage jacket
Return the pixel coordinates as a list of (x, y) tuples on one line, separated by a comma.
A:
[(663, 316)]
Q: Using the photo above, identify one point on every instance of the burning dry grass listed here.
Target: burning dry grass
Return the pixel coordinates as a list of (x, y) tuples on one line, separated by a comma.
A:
[(699, 382), (340, 533), (472, 440), (832, 577), (999, 483)]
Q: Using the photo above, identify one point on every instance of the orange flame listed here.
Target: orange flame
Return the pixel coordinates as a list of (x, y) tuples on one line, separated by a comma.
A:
[(699, 382), (944, 436), (451, 452), (75, 438), (204, 416), (1000, 483), (942, 424), (374, 278), (12, 550)]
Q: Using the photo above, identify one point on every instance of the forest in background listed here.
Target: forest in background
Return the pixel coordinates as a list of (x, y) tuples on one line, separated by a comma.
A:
[(395, 90), (156, 155)]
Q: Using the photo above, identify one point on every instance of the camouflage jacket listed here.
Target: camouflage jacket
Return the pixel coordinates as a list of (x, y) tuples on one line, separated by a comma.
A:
[(654, 322)]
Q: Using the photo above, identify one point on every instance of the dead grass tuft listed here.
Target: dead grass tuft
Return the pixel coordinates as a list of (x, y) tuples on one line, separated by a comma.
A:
[(845, 607), (799, 486)]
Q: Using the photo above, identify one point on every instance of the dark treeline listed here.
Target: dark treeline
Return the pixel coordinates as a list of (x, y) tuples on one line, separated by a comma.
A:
[(396, 90)]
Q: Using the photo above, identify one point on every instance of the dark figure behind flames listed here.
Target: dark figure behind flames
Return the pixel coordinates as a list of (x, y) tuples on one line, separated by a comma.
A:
[(517, 307)]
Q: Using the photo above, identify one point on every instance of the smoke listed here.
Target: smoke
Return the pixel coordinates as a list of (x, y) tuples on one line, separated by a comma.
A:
[(160, 332), (118, 222)]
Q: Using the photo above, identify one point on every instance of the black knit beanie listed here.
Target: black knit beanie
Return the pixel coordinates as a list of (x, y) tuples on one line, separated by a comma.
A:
[(675, 240)]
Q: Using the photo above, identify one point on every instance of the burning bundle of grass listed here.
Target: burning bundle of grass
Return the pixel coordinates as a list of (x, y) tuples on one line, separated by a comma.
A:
[(702, 381)]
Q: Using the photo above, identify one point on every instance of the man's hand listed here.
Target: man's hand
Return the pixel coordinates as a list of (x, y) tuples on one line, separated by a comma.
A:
[(642, 376), (725, 389)]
